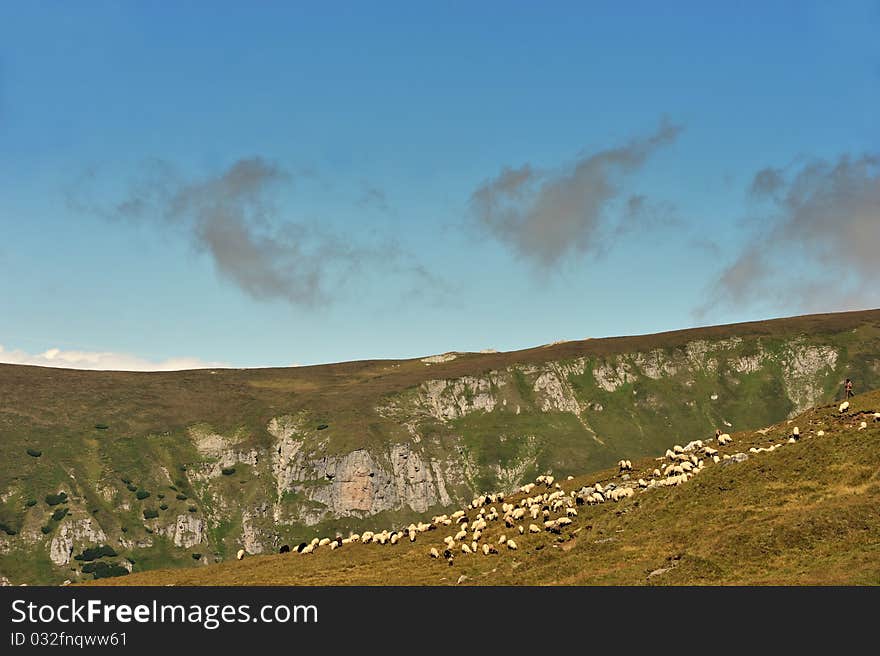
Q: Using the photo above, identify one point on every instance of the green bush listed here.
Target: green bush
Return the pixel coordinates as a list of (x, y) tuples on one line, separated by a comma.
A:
[(196, 556), (59, 514), (126, 480), (46, 529), (193, 509), (160, 496), (55, 499), (102, 570), (132, 488), (142, 494), (227, 471), (148, 530), (151, 513), (182, 497), (93, 553), (322, 426), (171, 487), (164, 506), (183, 468), (101, 426), (124, 529), (7, 529), (34, 452), (30, 503)]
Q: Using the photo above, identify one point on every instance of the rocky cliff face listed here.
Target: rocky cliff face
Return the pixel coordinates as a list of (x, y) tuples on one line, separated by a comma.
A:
[(447, 438)]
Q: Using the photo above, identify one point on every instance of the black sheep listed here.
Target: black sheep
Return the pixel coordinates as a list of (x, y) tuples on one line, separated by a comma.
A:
[(285, 548), (302, 545)]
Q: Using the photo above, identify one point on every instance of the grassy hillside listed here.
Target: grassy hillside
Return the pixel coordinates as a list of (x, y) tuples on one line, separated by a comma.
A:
[(180, 469), (804, 514)]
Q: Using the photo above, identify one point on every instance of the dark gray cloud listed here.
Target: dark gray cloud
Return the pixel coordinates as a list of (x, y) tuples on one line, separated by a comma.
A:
[(818, 248), (545, 215), (232, 218)]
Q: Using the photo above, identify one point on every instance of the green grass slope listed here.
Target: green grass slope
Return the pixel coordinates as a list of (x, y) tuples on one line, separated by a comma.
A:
[(103, 437), (803, 514)]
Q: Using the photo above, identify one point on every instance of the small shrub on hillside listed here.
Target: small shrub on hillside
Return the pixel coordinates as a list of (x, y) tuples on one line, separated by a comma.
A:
[(30, 503), (322, 426), (126, 480), (7, 529), (46, 529), (197, 556), (93, 553), (124, 529), (34, 452), (55, 499), (193, 509), (160, 495), (182, 497), (227, 471), (102, 570), (151, 513), (132, 488), (171, 487), (148, 530), (142, 494), (164, 506), (183, 468), (101, 426), (59, 514)]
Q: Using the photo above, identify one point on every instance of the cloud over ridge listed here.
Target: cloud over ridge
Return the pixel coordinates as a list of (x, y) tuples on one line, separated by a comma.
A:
[(545, 215)]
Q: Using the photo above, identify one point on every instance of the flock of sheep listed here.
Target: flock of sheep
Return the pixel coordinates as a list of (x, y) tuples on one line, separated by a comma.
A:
[(545, 506)]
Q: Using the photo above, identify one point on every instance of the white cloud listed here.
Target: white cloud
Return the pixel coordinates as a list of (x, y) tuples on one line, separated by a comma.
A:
[(101, 360)]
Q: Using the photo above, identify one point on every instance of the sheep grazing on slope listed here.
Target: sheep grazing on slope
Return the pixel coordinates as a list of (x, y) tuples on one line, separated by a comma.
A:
[(843, 407), (466, 549), (323, 542), (534, 529), (240, 554), (724, 438), (821, 433), (625, 465), (678, 448), (520, 529), (285, 548), (511, 545), (308, 549), (502, 539), (877, 416), (433, 553), (863, 425)]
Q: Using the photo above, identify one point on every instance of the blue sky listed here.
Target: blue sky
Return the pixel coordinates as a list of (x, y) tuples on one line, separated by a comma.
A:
[(308, 183)]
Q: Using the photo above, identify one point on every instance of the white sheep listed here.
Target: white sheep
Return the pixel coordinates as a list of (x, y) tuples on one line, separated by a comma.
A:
[(863, 425), (502, 539), (534, 529), (461, 535), (678, 448), (309, 548), (323, 542), (843, 407), (521, 530), (240, 554), (821, 433), (571, 512), (511, 545), (724, 439), (433, 553), (465, 549)]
